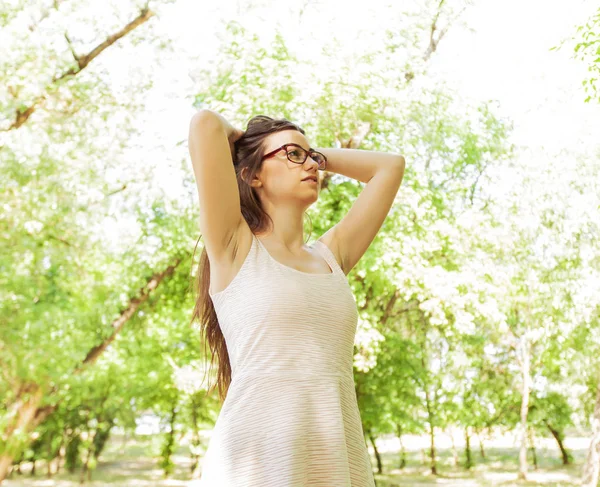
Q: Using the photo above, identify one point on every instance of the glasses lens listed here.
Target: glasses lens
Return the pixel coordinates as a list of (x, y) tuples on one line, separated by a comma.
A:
[(319, 159), (296, 154)]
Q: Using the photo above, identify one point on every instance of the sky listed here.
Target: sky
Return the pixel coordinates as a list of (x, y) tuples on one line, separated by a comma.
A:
[(508, 58), (497, 50)]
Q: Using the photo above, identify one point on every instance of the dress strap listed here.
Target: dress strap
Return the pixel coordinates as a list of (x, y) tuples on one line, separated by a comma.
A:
[(329, 256)]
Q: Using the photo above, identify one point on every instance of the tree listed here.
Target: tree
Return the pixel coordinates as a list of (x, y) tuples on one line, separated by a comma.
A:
[(62, 292)]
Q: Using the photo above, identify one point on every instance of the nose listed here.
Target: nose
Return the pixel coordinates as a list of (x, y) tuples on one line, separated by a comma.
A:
[(313, 161)]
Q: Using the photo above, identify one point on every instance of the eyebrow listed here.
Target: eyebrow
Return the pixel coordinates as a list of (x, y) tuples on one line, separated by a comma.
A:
[(309, 149)]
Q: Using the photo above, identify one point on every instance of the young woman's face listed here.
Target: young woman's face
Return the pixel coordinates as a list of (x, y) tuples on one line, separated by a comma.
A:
[(281, 178)]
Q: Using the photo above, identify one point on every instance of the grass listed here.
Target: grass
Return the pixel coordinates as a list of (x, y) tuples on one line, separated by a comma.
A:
[(499, 467), (133, 463)]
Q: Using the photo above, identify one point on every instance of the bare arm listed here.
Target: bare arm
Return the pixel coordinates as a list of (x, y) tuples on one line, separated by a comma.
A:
[(210, 144), (382, 172)]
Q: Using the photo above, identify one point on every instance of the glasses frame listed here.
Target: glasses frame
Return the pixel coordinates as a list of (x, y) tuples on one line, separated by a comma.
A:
[(309, 152)]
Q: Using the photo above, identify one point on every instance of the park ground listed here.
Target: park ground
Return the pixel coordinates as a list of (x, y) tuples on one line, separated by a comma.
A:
[(129, 461)]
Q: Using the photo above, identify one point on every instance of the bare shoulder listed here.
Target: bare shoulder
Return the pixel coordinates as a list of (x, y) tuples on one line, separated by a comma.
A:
[(226, 268), (329, 238)]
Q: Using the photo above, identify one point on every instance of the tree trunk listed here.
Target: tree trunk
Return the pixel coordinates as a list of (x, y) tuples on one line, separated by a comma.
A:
[(468, 460), (101, 437), (195, 441), (402, 449), (88, 455), (431, 432), (24, 408), (61, 453), (49, 461), (525, 376), (481, 446), (402, 454), (454, 450), (532, 446), (559, 437), (429, 406), (591, 468), (377, 455), (168, 449), (432, 450)]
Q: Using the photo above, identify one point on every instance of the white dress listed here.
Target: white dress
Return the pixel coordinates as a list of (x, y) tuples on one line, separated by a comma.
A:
[(290, 417)]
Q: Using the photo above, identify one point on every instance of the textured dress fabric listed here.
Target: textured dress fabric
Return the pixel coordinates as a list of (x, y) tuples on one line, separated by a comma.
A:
[(290, 417)]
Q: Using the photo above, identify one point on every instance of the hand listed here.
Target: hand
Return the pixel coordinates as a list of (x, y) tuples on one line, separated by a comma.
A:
[(233, 137), (233, 134)]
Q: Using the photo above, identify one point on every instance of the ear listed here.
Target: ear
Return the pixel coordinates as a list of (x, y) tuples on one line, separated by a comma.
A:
[(255, 183)]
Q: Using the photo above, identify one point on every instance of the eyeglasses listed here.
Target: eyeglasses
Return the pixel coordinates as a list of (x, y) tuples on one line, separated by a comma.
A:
[(298, 154)]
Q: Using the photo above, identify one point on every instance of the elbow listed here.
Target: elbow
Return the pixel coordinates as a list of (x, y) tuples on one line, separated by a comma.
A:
[(399, 161), (400, 165), (202, 117)]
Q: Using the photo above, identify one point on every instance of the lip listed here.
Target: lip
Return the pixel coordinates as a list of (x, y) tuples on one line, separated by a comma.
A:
[(310, 178), (309, 181)]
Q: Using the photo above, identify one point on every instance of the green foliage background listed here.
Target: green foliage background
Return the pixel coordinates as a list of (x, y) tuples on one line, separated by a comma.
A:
[(479, 294)]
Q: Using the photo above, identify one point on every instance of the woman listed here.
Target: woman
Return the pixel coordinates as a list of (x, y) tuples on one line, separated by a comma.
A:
[(280, 314)]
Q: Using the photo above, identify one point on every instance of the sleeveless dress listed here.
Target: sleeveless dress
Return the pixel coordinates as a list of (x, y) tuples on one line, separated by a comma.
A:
[(290, 417)]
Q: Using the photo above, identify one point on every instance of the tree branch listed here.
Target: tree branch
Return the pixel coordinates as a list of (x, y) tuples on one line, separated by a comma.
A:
[(127, 313), (22, 115)]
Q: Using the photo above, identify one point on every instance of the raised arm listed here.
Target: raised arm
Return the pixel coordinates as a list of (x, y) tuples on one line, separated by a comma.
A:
[(382, 172), (210, 145)]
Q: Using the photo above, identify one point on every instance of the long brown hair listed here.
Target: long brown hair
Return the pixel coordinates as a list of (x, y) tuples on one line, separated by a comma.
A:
[(247, 154)]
